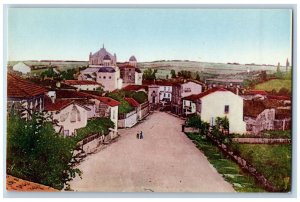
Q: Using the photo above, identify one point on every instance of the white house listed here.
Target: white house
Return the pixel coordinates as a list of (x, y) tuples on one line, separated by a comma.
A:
[(22, 67), (69, 115), (84, 84), (160, 91), (218, 102)]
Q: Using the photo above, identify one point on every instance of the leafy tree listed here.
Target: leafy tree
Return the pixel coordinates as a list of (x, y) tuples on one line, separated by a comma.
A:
[(284, 91), (173, 73), (197, 76), (149, 74), (124, 107), (185, 74), (35, 152), (50, 73), (68, 75)]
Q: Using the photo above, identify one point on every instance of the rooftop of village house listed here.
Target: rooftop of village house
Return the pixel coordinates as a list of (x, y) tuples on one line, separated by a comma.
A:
[(195, 97), (20, 185), (20, 88)]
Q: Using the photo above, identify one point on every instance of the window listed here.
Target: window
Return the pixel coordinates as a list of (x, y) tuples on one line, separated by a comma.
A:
[(75, 115), (99, 77), (226, 109), (168, 94), (109, 77), (165, 95), (104, 77), (165, 88)]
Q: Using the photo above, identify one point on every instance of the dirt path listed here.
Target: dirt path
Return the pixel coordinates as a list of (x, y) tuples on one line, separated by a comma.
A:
[(164, 161)]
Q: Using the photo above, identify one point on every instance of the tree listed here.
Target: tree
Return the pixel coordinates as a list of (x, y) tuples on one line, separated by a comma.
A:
[(173, 73), (68, 75), (50, 73), (35, 152), (197, 76), (149, 74), (185, 74)]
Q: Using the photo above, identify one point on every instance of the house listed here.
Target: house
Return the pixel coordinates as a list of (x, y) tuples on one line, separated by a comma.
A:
[(159, 91), (136, 88), (68, 115), (182, 89), (24, 96), (130, 73), (22, 67), (268, 114), (84, 84), (217, 102), (108, 107)]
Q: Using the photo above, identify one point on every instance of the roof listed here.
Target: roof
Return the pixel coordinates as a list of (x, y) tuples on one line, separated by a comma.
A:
[(255, 92), (132, 102), (57, 105), (90, 69), (132, 58), (20, 88), (278, 97), (109, 101), (179, 82), (102, 53), (135, 87), (81, 82), (138, 70), (72, 94), (253, 108), (17, 184), (157, 82), (52, 84), (106, 69), (124, 66), (205, 93)]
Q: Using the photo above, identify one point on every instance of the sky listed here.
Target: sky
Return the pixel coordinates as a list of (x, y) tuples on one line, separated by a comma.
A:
[(261, 36)]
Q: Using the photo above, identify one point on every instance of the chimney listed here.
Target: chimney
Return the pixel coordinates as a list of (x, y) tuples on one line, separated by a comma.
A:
[(237, 91), (52, 95), (58, 84)]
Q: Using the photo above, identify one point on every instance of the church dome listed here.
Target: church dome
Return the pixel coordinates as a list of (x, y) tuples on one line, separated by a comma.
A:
[(132, 58)]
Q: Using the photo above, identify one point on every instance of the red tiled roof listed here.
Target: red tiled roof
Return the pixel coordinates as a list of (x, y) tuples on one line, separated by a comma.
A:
[(20, 88), (132, 102), (278, 97), (72, 94), (138, 70), (205, 93), (57, 105), (135, 87), (81, 82), (109, 101), (255, 92), (19, 185), (157, 82)]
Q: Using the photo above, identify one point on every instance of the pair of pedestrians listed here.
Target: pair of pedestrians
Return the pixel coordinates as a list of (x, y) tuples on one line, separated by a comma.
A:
[(140, 135)]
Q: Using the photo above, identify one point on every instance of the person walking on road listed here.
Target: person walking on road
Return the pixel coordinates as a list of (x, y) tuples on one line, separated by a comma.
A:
[(137, 135), (141, 135)]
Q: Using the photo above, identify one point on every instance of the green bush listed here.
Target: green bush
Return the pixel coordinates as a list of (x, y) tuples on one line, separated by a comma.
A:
[(35, 152), (95, 126)]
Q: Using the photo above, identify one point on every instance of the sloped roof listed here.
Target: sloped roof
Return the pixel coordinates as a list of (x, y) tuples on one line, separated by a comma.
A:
[(157, 82), (253, 108), (72, 94), (109, 101), (102, 53), (106, 69), (20, 88), (205, 93), (135, 87), (132, 102), (57, 105), (81, 82), (19, 185)]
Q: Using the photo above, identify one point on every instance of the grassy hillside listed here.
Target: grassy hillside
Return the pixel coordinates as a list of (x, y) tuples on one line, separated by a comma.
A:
[(275, 84)]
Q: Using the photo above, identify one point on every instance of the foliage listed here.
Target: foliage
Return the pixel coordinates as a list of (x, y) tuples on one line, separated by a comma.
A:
[(273, 161), (196, 122), (149, 74), (95, 126), (275, 84), (185, 74), (139, 96), (50, 73), (35, 152), (220, 131), (124, 107), (173, 73), (198, 76), (241, 181), (68, 75)]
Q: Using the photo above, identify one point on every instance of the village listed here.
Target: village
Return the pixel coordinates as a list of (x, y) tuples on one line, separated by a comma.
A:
[(106, 103)]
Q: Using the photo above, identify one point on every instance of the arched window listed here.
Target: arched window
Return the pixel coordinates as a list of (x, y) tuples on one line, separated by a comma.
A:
[(75, 115)]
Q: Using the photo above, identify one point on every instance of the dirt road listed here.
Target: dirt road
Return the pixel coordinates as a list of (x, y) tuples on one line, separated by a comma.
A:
[(164, 161)]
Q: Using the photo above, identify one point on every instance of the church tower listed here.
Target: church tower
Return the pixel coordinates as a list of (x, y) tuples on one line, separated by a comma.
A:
[(287, 65)]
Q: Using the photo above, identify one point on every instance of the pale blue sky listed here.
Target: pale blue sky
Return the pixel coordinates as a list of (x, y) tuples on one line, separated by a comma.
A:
[(208, 35)]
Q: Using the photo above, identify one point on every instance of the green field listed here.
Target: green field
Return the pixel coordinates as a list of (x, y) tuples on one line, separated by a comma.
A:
[(273, 161), (275, 84)]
